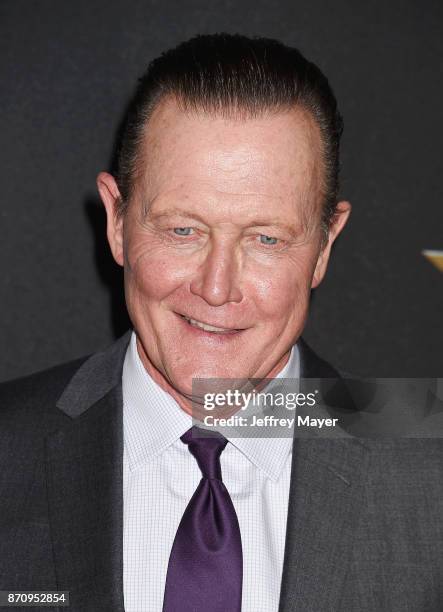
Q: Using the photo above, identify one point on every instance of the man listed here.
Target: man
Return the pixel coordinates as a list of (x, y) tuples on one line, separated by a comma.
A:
[(223, 212)]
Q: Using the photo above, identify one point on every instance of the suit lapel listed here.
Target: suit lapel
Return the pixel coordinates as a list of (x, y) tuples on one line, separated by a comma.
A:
[(84, 462), (325, 499)]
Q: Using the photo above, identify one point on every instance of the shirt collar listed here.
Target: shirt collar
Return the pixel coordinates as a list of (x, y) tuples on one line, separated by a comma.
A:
[(271, 453), (153, 420)]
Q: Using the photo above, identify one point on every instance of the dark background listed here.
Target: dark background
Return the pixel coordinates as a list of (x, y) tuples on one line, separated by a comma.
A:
[(67, 70)]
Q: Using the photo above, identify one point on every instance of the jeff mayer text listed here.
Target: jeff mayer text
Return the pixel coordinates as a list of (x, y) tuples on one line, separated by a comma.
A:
[(268, 421)]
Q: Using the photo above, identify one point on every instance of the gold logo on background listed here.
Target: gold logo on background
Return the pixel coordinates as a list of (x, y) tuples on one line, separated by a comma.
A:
[(435, 257)]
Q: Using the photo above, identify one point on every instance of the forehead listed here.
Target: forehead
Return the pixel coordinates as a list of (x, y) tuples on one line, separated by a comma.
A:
[(271, 158)]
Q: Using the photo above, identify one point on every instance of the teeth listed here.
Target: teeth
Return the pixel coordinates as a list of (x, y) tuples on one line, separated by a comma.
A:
[(209, 328)]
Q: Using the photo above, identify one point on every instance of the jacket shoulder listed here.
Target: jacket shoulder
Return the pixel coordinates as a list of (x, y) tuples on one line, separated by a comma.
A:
[(26, 400)]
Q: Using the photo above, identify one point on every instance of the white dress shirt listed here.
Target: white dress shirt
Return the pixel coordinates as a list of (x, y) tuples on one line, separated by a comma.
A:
[(160, 476)]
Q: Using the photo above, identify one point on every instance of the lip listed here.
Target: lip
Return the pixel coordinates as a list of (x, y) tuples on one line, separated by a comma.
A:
[(228, 327), (203, 334)]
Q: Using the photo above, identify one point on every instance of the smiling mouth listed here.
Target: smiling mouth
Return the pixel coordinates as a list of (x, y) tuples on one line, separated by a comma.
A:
[(209, 328)]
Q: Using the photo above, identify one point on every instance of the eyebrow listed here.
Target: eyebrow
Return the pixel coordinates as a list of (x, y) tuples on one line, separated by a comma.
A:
[(257, 222)]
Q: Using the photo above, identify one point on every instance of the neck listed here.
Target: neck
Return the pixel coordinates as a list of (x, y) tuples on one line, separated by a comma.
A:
[(186, 403)]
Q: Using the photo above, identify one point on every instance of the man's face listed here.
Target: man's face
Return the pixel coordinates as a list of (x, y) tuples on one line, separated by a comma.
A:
[(223, 229)]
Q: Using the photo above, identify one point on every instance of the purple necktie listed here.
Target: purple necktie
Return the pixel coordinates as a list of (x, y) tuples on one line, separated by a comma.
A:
[(206, 566)]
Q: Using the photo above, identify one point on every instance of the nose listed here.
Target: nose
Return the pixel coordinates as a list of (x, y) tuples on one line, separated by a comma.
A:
[(217, 279)]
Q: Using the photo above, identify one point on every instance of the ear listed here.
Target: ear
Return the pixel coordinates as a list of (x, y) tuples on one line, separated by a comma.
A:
[(110, 196), (338, 221)]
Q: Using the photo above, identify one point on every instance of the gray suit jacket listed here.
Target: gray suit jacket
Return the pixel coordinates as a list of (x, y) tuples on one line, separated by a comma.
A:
[(365, 516)]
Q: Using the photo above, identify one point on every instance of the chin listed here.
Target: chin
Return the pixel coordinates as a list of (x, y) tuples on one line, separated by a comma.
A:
[(182, 379), (202, 370)]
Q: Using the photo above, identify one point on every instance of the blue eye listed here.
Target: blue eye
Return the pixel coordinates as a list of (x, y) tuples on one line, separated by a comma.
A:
[(267, 239), (182, 231)]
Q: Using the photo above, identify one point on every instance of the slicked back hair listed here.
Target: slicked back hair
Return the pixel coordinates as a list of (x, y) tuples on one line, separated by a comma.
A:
[(232, 74)]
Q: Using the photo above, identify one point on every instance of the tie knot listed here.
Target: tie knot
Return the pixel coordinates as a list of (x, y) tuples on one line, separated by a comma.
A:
[(206, 450)]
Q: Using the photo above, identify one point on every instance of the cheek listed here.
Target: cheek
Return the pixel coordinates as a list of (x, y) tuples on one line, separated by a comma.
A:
[(151, 270), (283, 291)]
